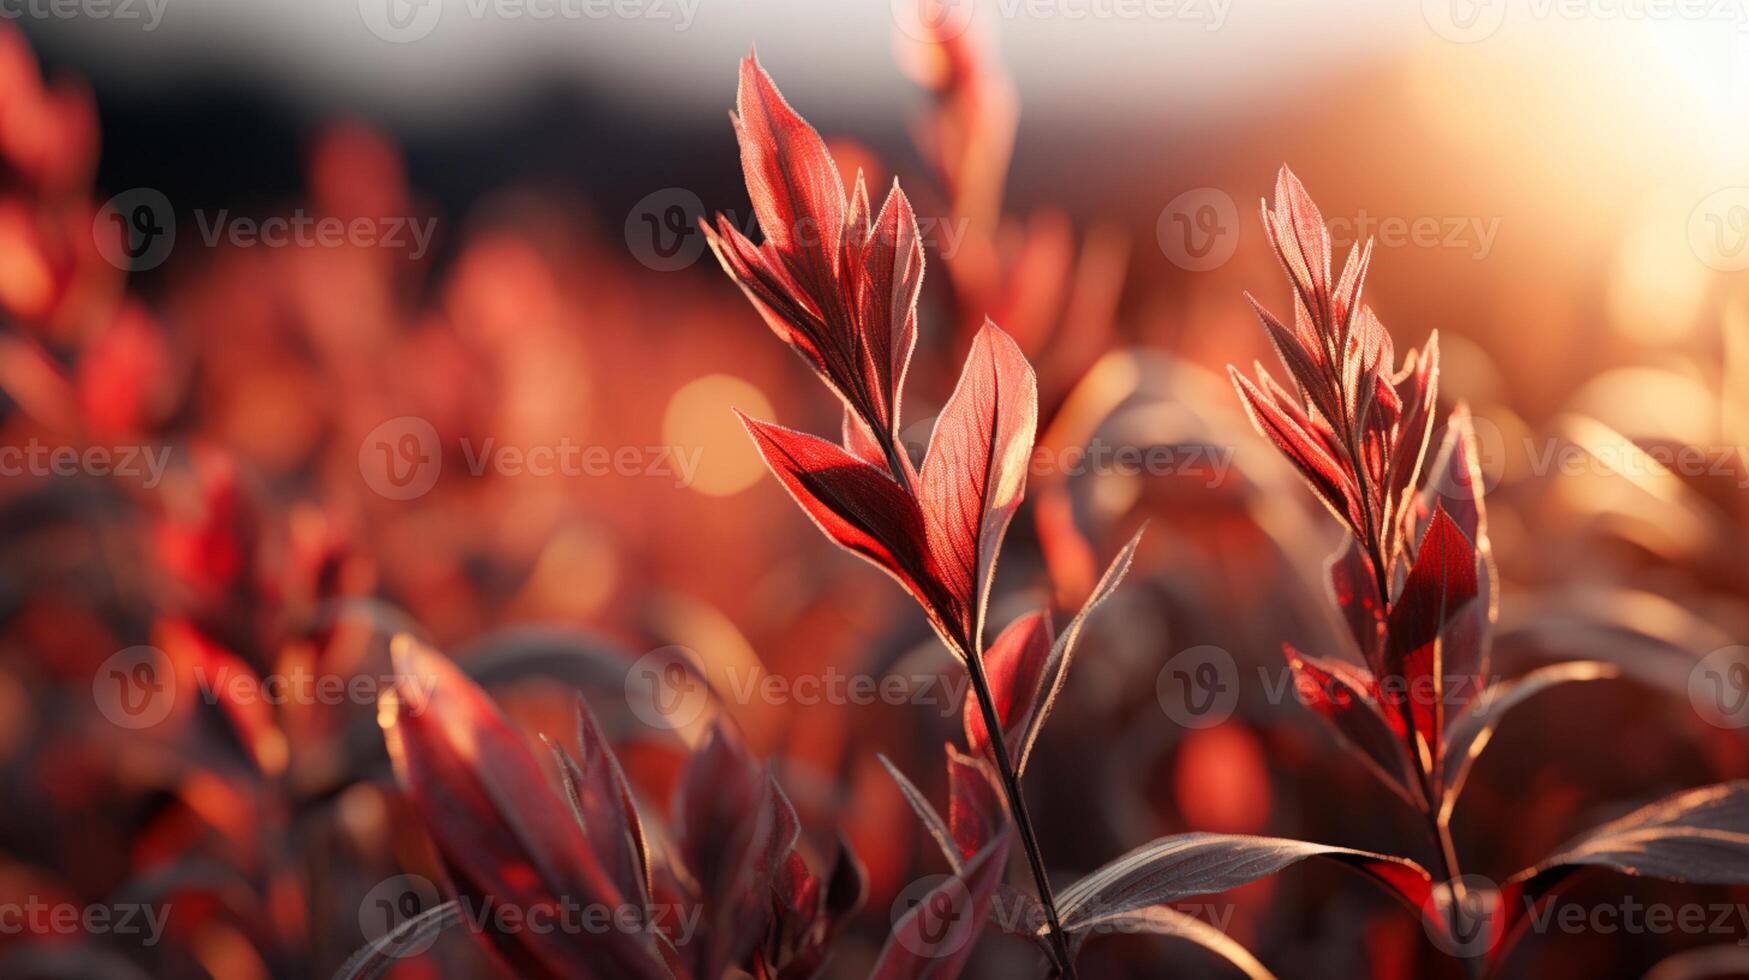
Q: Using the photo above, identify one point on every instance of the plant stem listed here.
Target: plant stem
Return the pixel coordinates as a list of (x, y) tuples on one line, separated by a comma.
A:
[(1453, 874), (1017, 805)]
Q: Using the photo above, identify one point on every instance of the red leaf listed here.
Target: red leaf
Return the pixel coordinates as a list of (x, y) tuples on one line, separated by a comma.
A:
[(1454, 481), (1343, 695), (887, 272), (791, 177), (502, 832), (1056, 668), (1355, 590), (1186, 865), (860, 441), (1296, 230), (1441, 583), (1014, 665), (974, 472), (734, 831), (602, 801), (860, 508), (1326, 475), (839, 290), (975, 812), (934, 939)]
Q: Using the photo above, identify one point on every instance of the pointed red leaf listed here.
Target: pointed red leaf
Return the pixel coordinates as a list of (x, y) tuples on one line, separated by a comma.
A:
[(975, 811), (1355, 590), (791, 177), (1343, 695), (1296, 231), (1014, 665), (859, 507), (504, 835), (732, 830), (974, 472), (1186, 865), (1440, 584), (839, 287), (1309, 456), (602, 799), (933, 940), (1454, 481), (888, 278), (1056, 668)]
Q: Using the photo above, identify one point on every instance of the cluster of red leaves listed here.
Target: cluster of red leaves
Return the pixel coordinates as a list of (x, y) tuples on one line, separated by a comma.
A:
[(938, 531), (1415, 587), (733, 863)]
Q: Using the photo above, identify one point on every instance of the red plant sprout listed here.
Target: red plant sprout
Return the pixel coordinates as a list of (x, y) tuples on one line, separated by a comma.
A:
[(1415, 587), (845, 297), (938, 530), (730, 891)]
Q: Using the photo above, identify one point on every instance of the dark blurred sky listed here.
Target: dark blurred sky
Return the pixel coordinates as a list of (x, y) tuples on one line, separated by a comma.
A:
[(214, 102)]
